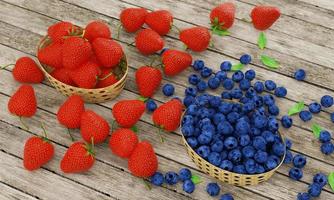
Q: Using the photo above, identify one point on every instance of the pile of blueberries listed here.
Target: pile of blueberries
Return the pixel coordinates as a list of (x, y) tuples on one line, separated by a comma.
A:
[(314, 189)]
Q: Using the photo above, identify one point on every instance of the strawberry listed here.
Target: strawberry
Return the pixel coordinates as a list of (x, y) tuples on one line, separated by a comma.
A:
[(143, 161), (264, 16), (108, 52), (222, 16), (128, 112), (27, 71), (58, 30), (62, 75), (160, 21), (37, 152), (97, 29), (23, 102), (133, 18), (93, 127), (106, 78), (51, 55), (86, 76), (196, 38), (148, 79), (123, 142), (175, 61), (78, 158), (69, 114), (168, 115), (76, 51), (148, 41)]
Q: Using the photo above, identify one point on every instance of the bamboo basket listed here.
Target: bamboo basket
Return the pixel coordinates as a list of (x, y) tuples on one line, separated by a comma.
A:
[(97, 95)]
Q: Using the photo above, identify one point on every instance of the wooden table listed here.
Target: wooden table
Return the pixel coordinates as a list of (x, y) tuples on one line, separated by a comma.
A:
[(302, 38)]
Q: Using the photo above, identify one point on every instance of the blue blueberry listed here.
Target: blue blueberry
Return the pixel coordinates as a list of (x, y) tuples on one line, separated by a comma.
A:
[(194, 79), (190, 91), (288, 143), (188, 186), (327, 101), (324, 136), (157, 179), (238, 76), (320, 179), (260, 121), (221, 75), (286, 121), (240, 169), (250, 93), (250, 74), (215, 101), (224, 155), (258, 86), (299, 161), (254, 131), (259, 101), (259, 143), (245, 84), (260, 169), (235, 155), (245, 59), (171, 178), (226, 66), (192, 109), (270, 85), (192, 141), (214, 158), (327, 148), (226, 196), (213, 189), (315, 107), (226, 95), (268, 136), (225, 128), (205, 137), (213, 83), (242, 127), (273, 124), (151, 105), (288, 157), (278, 149), (184, 174), (225, 107), (203, 151), (300, 75), (187, 130), (303, 196), (244, 140), (233, 117), (268, 99), (237, 108), (261, 157), (206, 72), (226, 165), (305, 115), (248, 107), (314, 190), (198, 65), (188, 100), (230, 142), (248, 151), (217, 146), (250, 166), (168, 89), (281, 91), (295, 173), (202, 86), (236, 93), (273, 110), (271, 163), (228, 84)]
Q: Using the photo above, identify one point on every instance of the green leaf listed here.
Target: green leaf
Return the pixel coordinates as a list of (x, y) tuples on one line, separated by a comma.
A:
[(196, 179), (143, 99), (316, 129), (331, 180), (134, 129), (220, 32), (237, 67), (269, 62), (262, 41), (296, 108)]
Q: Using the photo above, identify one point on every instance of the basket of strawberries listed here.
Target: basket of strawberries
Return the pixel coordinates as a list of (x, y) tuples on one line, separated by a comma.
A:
[(83, 61)]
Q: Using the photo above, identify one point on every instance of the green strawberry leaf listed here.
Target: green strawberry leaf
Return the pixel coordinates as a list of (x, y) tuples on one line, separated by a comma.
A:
[(262, 41), (237, 67), (134, 129), (220, 32), (296, 108), (269, 62), (316, 129), (331, 180), (143, 99), (196, 179)]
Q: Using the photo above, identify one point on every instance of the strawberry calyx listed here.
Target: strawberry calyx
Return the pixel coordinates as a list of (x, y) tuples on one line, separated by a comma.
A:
[(217, 28), (134, 129), (90, 148), (160, 129), (147, 184), (69, 133)]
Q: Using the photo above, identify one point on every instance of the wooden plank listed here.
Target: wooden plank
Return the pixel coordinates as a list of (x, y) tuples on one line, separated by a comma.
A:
[(9, 193), (325, 4)]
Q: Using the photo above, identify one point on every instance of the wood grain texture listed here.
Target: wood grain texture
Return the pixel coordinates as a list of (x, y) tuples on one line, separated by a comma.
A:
[(10, 193)]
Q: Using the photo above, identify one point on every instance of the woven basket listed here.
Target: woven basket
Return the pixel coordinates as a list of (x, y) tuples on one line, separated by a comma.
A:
[(97, 95)]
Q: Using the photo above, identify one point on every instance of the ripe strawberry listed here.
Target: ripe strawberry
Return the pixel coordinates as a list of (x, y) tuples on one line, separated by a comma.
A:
[(86, 75), (148, 79), (76, 51), (62, 75), (108, 52), (58, 30), (106, 78), (132, 19), (93, 127), (149, 41), (196, 38), (23, 102), (37, 152), (222, 16), (27, 71), (264, 16), (175, 61), (97, 29), (52, 55), (123, 142), (143, 161), (78, 158), (168, 115), (69, 114), (161, 21), (128, 112)]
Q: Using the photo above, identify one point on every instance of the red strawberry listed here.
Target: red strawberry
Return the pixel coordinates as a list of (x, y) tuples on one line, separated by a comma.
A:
[(58, 30), (37, 152), (148, 79), (97, 29), (128, 112), (196, 38), (27, 71), (86, 75), (62, 75), (264, 16), (175, 61), (143, 161), (76, 51), (106, 78), (168, 115), (93, 127), (108, 52), (52, 55), (69, 114), (23, 102), (149, 41), (133, 18), (123, 142), (161, 21), (222, 16), (78, 158)]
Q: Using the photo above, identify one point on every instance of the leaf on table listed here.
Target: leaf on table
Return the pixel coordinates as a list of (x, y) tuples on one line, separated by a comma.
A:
[(237, 67), (316, 129), (296, 108), (331, 180), (262, 41), (134, 129), (220, 32), (196, 179), (269, 62)]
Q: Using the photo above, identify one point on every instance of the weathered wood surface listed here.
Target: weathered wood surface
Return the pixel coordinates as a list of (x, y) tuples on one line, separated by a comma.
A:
[(24, 22)]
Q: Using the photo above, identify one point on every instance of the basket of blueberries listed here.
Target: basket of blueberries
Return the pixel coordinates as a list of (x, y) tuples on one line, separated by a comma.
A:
[(233, 137)]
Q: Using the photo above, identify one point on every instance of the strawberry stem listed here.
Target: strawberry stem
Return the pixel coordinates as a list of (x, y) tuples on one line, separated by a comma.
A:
[(162, 140), (107, 76), (4, 67), (69, 133), (45, 137), (147, 185), (25, 127), (112, 125), (177, 28), (119, 27)]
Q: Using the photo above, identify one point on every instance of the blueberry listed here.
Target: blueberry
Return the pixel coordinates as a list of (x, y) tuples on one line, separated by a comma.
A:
[(226, 66), (332, 117), (205, 137), (314, 107), (188, 186), (190, 91), (226, 165), (260, 121), (240, 169), (192, 109), (324, 136), (232, 117), (259, 143), (295, 173), (242, 127), (171, 178), (250, 74), (188, 100), (168, 89), (203, 151), (271, 163), (202, 86), (226, 196), (258, 86), (303, 196), (203, 122), (238, 76), (286, 121), (261, 156), (228, 84), (250, 166), (194, 79), (226, 95), (184, 174), (260, 169), (258, 100), (270, 85), (236, 93), (288, 143), (214, 158), (305, 115), (230, 142), (250, 93), (273, 124), (268, 99), (245, 59), (206, 72), (254, 131), (281, 92), (192, 141), (248, 107), (218, 118), (225, 107), (217, 146), (327, 148), (327, 101), (237, 108), (198, 65), (213, 189), (224, 155), (235, 155), (221, 75), (213, 83), (278, 148), (268, 136), (151, 105), (245, 84), (320, 179), (248, 151), (300, 75), (187, 130), (288, 157), (244, 140), (273, 110), (299, 161), (157, 179), (314, 190)]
